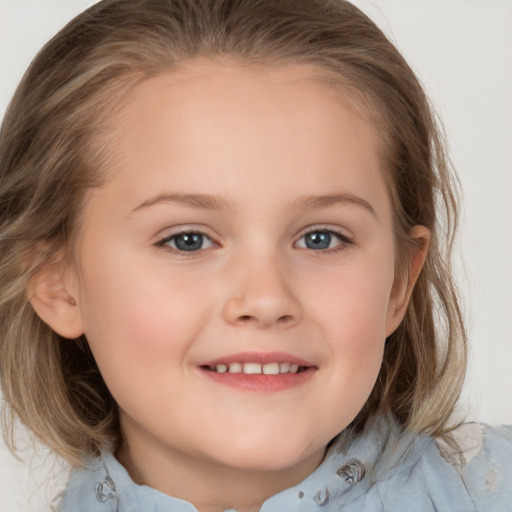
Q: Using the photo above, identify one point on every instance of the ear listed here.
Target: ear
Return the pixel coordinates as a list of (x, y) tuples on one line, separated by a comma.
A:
[(54, 304), (404, 284)]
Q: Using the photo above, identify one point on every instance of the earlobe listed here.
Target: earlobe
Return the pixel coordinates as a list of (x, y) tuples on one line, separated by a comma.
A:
[(51, 300), (420, 235)]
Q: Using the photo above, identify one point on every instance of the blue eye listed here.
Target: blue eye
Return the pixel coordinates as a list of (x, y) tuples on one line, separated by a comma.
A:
[(321, 240), (189, 241)]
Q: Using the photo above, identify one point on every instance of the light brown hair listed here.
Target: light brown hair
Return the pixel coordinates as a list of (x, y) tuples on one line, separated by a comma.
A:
[(54, 146)]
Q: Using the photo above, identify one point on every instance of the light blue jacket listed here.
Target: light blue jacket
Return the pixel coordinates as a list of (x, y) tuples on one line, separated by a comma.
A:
[(382, 470)]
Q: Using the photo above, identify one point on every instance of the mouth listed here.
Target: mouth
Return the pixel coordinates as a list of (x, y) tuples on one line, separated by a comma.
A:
[(259, 372)]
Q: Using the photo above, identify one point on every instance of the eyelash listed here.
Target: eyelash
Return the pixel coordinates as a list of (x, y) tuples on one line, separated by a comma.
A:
[(165, 241), (344, 241)]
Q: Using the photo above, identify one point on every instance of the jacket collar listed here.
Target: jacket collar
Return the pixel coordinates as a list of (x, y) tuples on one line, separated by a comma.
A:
[(345, 475)]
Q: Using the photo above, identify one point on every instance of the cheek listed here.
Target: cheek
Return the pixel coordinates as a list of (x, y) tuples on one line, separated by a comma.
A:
[(356, 301), (353, 317), (138, 319)]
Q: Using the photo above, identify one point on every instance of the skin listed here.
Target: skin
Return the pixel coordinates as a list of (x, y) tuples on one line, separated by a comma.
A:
[(260, 140)]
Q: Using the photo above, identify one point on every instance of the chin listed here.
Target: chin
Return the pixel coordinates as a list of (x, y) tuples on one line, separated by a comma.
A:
[(270, 454)]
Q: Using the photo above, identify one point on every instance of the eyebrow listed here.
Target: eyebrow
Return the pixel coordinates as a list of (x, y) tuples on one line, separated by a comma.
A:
[(324, 201), (212, 202), (203, 201)]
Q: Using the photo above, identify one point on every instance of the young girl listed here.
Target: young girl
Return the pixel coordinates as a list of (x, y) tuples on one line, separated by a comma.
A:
[(225, 272)]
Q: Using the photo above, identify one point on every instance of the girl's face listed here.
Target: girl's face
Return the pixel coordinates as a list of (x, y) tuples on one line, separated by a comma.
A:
[(245, 227)]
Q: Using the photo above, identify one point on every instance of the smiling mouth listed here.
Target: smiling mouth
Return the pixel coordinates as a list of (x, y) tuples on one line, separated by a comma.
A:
[(259, 372), (252, 368)]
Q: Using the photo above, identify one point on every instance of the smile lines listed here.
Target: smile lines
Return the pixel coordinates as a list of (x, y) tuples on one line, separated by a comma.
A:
[(257, 368)]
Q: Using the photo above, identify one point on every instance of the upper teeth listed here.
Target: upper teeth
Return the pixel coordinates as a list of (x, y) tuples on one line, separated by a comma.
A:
[(256, 368)]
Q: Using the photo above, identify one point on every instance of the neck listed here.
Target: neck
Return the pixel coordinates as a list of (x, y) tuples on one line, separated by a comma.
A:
[(209, 485)]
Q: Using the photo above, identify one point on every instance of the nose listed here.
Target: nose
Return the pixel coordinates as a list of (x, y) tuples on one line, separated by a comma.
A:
[(261, 296)]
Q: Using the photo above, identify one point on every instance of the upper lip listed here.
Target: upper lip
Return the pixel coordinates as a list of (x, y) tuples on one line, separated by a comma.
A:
[(258, 357)]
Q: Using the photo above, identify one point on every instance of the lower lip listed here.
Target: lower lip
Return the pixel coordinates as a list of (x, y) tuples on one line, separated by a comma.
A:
[(261, 382)]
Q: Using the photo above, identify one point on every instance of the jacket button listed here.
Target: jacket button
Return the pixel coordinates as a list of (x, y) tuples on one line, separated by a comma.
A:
[(352, 472), (321, 499), (106, 490)]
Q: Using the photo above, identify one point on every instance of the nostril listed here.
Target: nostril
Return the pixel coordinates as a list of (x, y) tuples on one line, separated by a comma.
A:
[(280, 320)]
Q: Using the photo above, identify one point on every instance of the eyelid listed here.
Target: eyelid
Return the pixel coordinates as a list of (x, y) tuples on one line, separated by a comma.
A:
[(341, 232)]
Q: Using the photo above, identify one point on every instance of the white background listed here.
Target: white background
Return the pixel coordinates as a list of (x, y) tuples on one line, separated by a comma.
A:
[(462, 51)]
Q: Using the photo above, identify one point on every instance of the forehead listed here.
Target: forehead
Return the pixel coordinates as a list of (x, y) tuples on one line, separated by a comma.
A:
[(227, 125)]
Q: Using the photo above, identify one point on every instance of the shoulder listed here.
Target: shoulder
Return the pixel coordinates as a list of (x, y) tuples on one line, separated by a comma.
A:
[(386, 469), (482, 456), (469, 470)]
